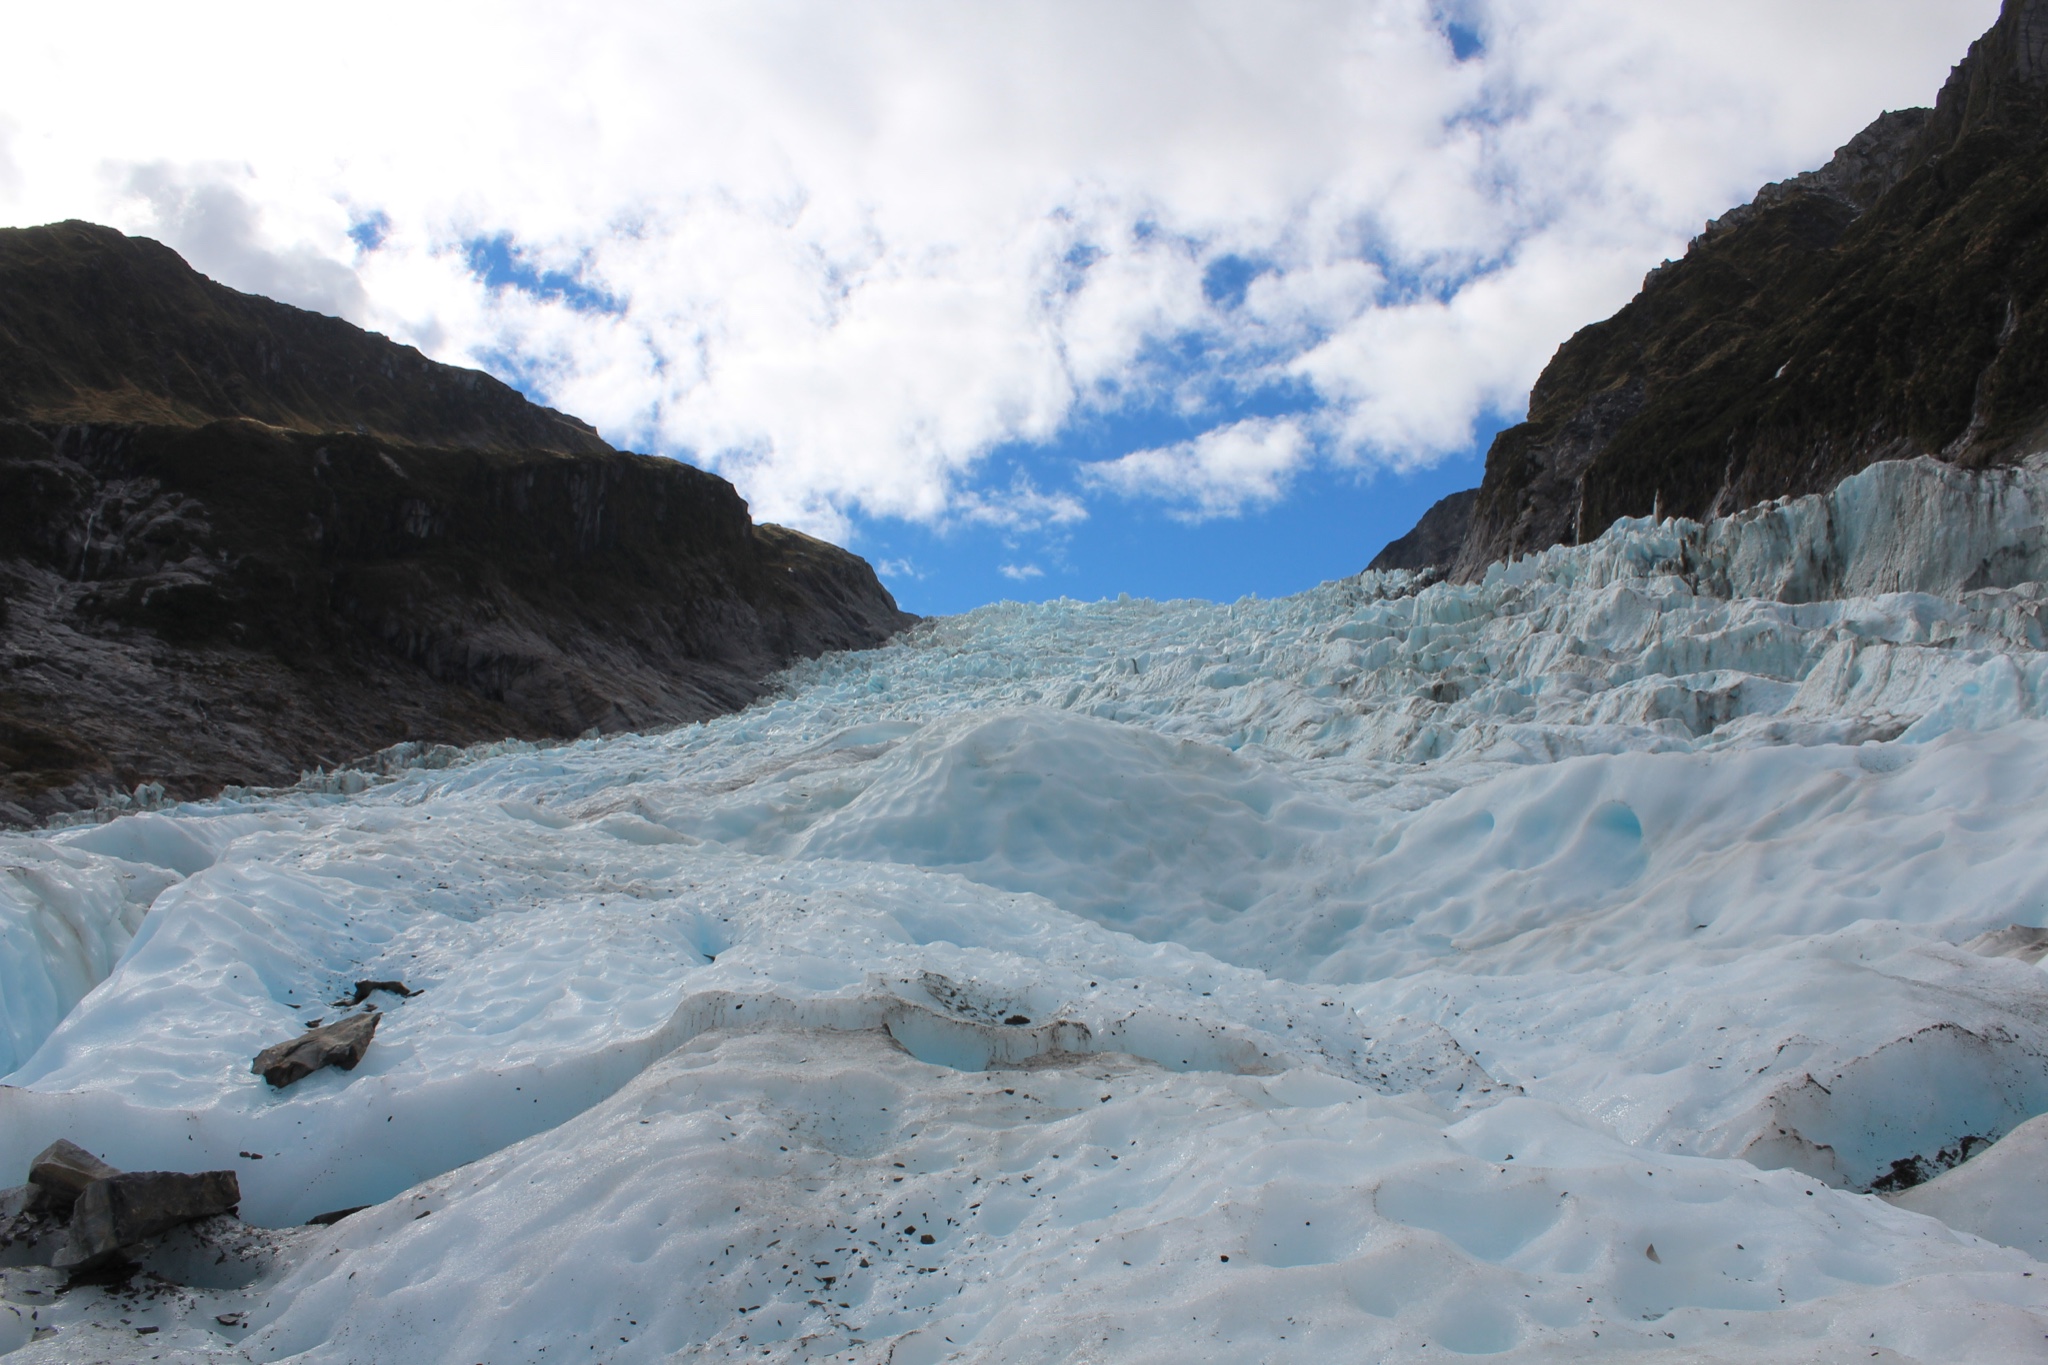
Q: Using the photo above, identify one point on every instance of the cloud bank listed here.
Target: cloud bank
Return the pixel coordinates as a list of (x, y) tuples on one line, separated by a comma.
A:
[(1217, 474), (842, 254)]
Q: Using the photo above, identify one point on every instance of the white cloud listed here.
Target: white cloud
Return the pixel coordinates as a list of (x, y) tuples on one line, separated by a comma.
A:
[(859, 247), (10, 174), (1020, 573), (1020, 507), (204, 213), (1219, 473)]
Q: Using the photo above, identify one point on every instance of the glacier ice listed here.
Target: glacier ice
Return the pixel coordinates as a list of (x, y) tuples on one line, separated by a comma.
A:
[(1394, 968), (65, 916)]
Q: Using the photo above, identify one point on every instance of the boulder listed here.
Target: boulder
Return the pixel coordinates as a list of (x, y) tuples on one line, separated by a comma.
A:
[(128, 1208), (60, 1174), (341, 1043)]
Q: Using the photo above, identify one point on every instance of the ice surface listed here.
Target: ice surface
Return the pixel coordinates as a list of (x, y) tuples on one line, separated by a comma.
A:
[(65, 915), (1435, 953)]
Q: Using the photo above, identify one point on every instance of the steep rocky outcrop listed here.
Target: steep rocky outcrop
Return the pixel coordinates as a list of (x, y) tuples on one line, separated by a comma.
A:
[(99, 327), (1892, 304), (1436, 539), (238, 539)]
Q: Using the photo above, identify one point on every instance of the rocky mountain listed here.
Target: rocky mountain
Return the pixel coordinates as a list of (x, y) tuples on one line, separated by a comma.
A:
[(97, 327), (238, 539), (1436, 539), (1888, 305)]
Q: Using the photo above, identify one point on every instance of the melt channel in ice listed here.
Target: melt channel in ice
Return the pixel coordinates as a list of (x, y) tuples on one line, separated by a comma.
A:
[(1547, 968)]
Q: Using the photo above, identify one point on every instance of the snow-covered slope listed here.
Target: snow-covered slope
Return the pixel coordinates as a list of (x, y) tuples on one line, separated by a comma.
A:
[(1544, 966)]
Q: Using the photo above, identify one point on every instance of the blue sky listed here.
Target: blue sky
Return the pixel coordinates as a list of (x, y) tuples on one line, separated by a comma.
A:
[(1330, 526), (1170, 297), (1329, 522)]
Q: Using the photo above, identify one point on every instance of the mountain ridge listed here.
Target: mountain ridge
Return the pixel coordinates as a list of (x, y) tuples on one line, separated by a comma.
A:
[(238, 540), (1885, 306), (190, 350)]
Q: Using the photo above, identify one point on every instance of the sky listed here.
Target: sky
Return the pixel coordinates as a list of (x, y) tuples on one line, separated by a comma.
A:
[(1168, 297)]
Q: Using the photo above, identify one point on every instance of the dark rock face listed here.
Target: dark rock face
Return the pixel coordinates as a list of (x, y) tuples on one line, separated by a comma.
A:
[(238, 540), (1893, 303), (1436, 539), (125, 1209), (341, 1044), (99, 327)]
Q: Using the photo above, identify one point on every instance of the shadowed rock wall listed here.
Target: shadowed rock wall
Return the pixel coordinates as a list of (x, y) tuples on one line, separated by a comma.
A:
[(1436, 539), (238, 539)]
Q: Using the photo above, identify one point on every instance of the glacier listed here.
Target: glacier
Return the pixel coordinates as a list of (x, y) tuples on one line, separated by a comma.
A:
[(1592, 961)]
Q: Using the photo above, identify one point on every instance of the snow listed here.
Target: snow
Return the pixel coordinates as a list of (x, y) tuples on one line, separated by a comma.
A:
[(1435, 953)]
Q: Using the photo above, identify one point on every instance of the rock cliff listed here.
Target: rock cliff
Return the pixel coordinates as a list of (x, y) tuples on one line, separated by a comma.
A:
[(238, 539), (1888, 305), (1436, 539)]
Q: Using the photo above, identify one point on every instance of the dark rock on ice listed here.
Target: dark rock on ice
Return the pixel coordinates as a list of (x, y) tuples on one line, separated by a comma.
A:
[(341, 1044), (29, 1235), (364, 989), (1907, 1172), (333, 1216), (125, 1209), (109, 1272), (61, 1172), (32, 1240), (20, 1225)]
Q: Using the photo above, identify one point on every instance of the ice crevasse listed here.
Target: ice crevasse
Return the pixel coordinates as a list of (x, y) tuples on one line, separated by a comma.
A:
[(1607, 958)]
